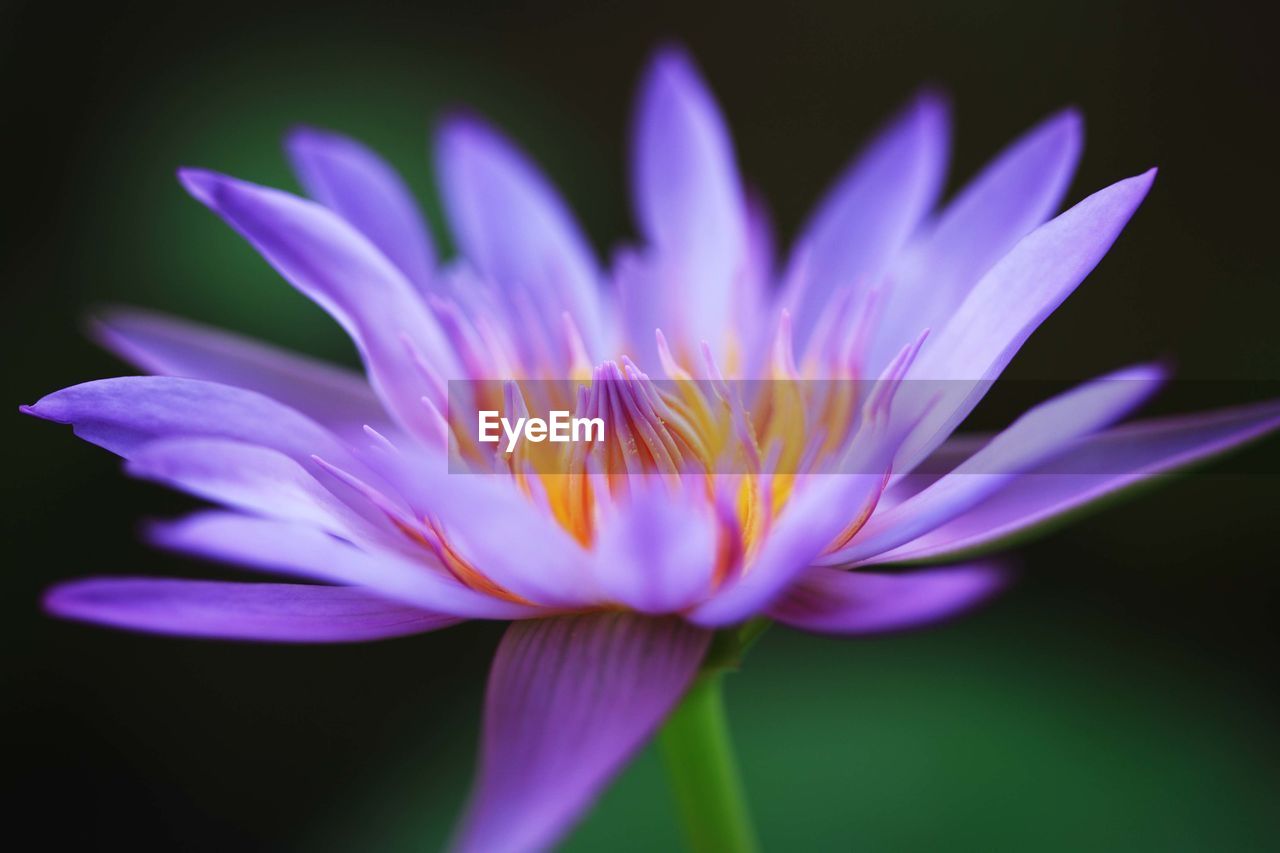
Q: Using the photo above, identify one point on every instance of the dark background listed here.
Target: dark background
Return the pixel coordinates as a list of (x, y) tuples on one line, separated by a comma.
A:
[(1122, 696)]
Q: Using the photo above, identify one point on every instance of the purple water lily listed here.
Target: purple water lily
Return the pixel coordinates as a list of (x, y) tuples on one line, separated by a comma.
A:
[(618, 569)]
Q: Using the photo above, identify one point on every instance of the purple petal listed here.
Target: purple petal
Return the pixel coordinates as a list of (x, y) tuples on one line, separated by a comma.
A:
[(549, 567), (349, 179), (333, 396), (245, 477), (124, 413), (337, 267), (812, 519), (1011, 301), (1021, 188), (831, 601), (658, 554), (304, 552), (1093, 469), (570, 699), (267, 612), (513, 226), (688, 196), (1038, 435), (874, 208)]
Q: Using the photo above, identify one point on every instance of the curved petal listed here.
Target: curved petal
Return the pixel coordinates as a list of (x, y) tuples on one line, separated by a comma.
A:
[(349, 179), (658, 554), (267, 612), (305, 552), (338, 398), (570, 699), (534, 557), (689, 199), (1041, 433), (337, 267), (126, 412), (874, 208), (1093, 470), (1021, 188), (246, 477), (820, 509), (1011, 301), (831, 601), (811, 521), (513, 226)]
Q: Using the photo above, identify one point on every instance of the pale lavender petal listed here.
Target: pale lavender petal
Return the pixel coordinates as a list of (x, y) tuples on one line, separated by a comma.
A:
[(832, 601), (265, 612), (549, 567), (1094, 469), (813, 518), (570, 699), (688, 197), (514, 227), (126, 412), (820, 509), (354, 182), (1010, 302), (1040, 434), (339, 399), (1021, 188), (249, 478), (658, 554), (336, 266), (305, 552), (874, 208)]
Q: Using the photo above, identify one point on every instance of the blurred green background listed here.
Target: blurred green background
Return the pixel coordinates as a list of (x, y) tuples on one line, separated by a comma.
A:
[(1122, 696)]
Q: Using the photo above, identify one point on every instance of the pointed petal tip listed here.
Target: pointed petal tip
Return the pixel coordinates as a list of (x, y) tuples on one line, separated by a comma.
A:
[(304, 142), (60, 599), (460, 125), (78, 599), (202, 184), (672, 61), (305, 135), (931, 96), (1149, 371), (1062, 131), (1068, 120), (929, 109)]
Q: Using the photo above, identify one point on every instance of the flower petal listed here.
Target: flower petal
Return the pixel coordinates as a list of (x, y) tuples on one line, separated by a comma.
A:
[(514, 228), (339, 399), (1011, 301), (246, 477), (267, 612), (1094, 469), (336, 266), (812, 519), (1041, 433), (570, 699), (832, 601), (689, 199), (304, 552), (659, 553), (549, 567), (874, 208), (354, 182), (1021, 188), (123, 413)]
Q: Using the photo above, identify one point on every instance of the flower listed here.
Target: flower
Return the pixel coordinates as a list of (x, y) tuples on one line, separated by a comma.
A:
[(617, 567)]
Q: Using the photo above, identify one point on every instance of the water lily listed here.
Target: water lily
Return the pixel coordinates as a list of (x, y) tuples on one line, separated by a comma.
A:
[(633, 571)]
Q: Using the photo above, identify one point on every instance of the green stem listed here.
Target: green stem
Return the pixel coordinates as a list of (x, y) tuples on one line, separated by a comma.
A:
[(702, 771)]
